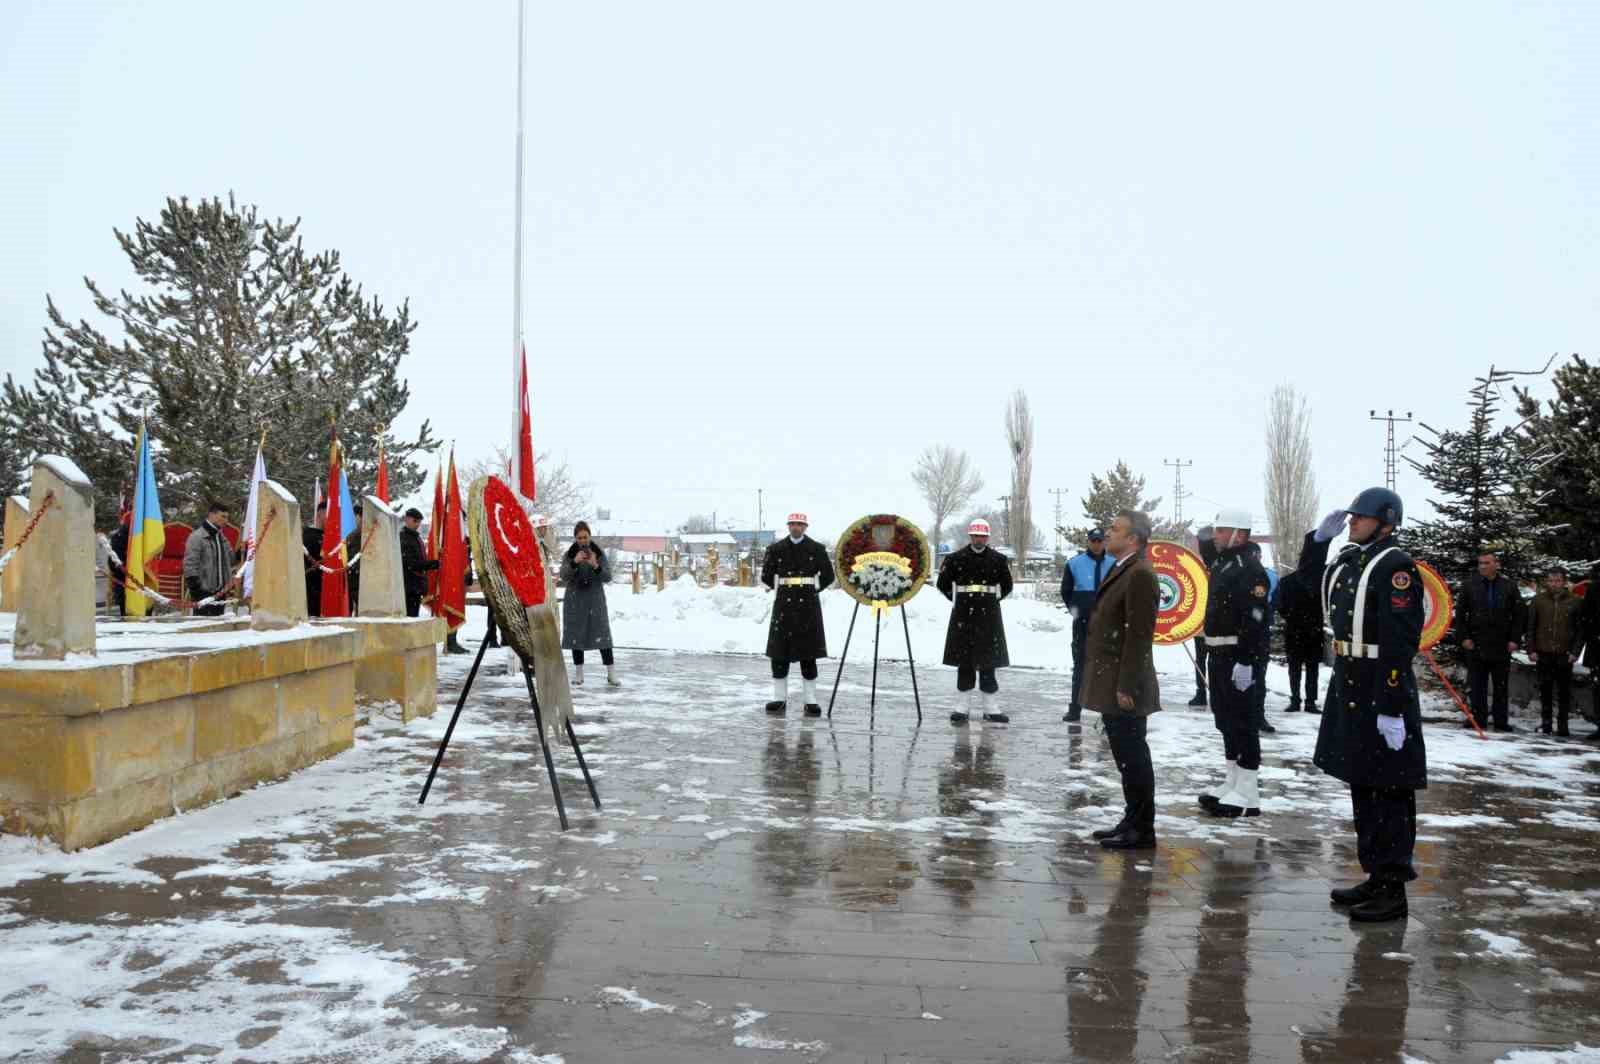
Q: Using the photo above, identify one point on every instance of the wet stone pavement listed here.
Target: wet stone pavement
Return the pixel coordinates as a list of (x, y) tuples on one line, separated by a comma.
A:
[(765, 889)]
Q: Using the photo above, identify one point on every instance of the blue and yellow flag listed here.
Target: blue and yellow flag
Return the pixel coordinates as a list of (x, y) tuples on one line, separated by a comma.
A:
[(147, 535)]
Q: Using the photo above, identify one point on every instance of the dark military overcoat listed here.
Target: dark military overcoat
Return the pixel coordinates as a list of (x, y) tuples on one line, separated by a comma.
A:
[(796, 632), (977, 633)]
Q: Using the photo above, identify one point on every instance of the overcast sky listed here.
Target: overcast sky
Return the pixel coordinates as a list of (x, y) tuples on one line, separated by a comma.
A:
[(788, 246)]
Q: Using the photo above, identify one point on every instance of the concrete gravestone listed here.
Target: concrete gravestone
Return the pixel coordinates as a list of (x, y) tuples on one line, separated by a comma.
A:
[(278, 587), (383, 589), (55, 602), (16, 518)]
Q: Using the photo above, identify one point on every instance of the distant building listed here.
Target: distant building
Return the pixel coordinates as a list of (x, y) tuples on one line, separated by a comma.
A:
[(632, 537), (695, 544), (754, 539)]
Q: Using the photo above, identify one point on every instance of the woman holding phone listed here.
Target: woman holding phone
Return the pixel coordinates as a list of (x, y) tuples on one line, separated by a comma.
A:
[(585, 572)]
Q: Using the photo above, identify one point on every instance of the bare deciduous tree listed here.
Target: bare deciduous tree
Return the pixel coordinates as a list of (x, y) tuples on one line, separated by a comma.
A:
[(1291, 485), (562, 497), (1019, 437), (948, 481)]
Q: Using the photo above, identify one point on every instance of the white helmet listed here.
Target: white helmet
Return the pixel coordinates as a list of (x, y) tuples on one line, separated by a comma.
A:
[(798, 518), (979, 527), (1232, 518)]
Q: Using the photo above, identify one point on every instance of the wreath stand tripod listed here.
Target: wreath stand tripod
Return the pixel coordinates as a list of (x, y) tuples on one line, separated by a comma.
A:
[(877, 622), (491, 638)]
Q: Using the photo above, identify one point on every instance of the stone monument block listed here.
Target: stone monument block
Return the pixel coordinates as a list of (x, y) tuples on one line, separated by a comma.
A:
[(55, 602), (383, 589), (16, 517), (278, 587)]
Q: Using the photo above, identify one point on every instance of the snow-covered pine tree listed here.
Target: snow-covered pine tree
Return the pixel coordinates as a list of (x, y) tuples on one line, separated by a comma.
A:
[(1559, 449), (239, 327), (1484, 497), (1120, 489)]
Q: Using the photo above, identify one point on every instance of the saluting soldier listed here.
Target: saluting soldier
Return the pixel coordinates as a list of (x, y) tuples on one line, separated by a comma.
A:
[(797, 569), (1371, 734), (975, 578), (1237, 639)]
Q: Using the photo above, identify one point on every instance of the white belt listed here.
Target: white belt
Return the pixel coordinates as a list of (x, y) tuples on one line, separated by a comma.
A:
[(1344, 649), (978, 589), (1221, 640), (797, 581)]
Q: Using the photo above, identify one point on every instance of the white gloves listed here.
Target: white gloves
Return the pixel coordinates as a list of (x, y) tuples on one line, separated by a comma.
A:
[(1331, 526), (1393, 730), (1243, 677)]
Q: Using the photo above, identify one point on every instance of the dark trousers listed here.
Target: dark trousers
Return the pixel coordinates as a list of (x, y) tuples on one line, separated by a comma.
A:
[(1080, 638), (1555, 672), (1258, 695), (1126, 734), (1386, 831), (413, 605), (608, 658), (1479, 675), (1201, 654), (780, 669), (1234, 712), (970, 676), (216, 609), (1310, 669)]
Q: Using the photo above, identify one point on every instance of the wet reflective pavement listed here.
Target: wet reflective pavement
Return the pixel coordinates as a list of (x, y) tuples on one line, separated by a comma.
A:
[(761, 888)]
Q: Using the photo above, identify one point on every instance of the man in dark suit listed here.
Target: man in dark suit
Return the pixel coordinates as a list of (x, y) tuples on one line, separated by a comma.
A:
[(1489, 622), (1120, 675)]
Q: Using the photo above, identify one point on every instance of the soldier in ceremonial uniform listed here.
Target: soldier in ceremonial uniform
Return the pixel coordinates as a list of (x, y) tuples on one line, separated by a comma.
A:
[(1371, 734), (1237, 641), (796, 569), (975, 578)]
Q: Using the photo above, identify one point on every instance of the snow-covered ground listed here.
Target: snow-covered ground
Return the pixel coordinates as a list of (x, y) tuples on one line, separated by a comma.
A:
[(305, 919)]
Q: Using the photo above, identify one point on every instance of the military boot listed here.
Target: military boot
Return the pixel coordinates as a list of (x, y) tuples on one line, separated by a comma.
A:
[(1355, 895), (1388, 902)]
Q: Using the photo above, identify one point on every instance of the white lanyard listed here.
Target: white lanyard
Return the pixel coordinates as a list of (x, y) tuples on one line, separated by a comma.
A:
[(1359, 619)]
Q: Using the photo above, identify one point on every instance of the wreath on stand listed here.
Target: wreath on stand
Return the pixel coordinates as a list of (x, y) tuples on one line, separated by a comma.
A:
[(882, 561)]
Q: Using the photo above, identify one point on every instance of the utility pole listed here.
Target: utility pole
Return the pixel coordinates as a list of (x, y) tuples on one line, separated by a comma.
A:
[(761, 516), (1058, 492), (1178, 465), (1389, 452)]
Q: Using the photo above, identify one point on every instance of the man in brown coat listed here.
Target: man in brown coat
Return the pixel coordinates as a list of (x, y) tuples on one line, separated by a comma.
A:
[(1553, 642), (1120, 675)]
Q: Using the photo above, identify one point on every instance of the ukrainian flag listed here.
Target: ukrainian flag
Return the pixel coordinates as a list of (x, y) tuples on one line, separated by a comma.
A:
[(147, 535)]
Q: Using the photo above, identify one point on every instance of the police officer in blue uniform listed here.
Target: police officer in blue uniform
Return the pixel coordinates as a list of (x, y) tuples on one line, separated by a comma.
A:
[(1237, 637), (1080, 583), (1371, 734)]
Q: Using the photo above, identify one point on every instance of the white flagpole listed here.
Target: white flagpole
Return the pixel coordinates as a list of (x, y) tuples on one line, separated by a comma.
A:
[(513, 666), (516, 272)]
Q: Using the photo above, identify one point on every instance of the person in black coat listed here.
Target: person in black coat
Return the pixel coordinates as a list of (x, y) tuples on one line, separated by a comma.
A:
[(1237, 642), (1589, 636), (797, 569), (1371, 733), (311, 540), (1490, 620), (1208, 554), (976, 578), (1300, 606), (415, 565), (119, 549)]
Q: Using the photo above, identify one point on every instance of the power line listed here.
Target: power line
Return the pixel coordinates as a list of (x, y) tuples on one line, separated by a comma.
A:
[(1178, 465), (1058, 492), (1389, 451)]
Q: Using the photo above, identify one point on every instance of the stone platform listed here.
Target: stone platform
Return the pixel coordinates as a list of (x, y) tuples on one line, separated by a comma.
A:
[(164, 718), (790, 889), (396, 661)]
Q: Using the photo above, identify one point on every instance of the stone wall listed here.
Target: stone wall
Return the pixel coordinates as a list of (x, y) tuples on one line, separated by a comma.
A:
[(397, 660), (93, 752)]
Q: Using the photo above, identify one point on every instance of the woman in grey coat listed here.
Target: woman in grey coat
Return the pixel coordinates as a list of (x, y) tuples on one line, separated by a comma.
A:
[(585, 572)]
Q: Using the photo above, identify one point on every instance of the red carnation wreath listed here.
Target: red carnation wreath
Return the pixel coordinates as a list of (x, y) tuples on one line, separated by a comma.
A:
[(878, 533)]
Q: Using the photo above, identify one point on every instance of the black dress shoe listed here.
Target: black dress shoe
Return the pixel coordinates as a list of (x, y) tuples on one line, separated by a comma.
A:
[(1354, 895), (1106, 833), (1263, 728), (1294, 706), (958, 717), (777, 709), (1544, 729), (1504, 728), (1073, 715), (1563, 732), (1130, 839), (813, 710), (997, 718), (1311, 707), (1199, 700), (1388, 902)]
